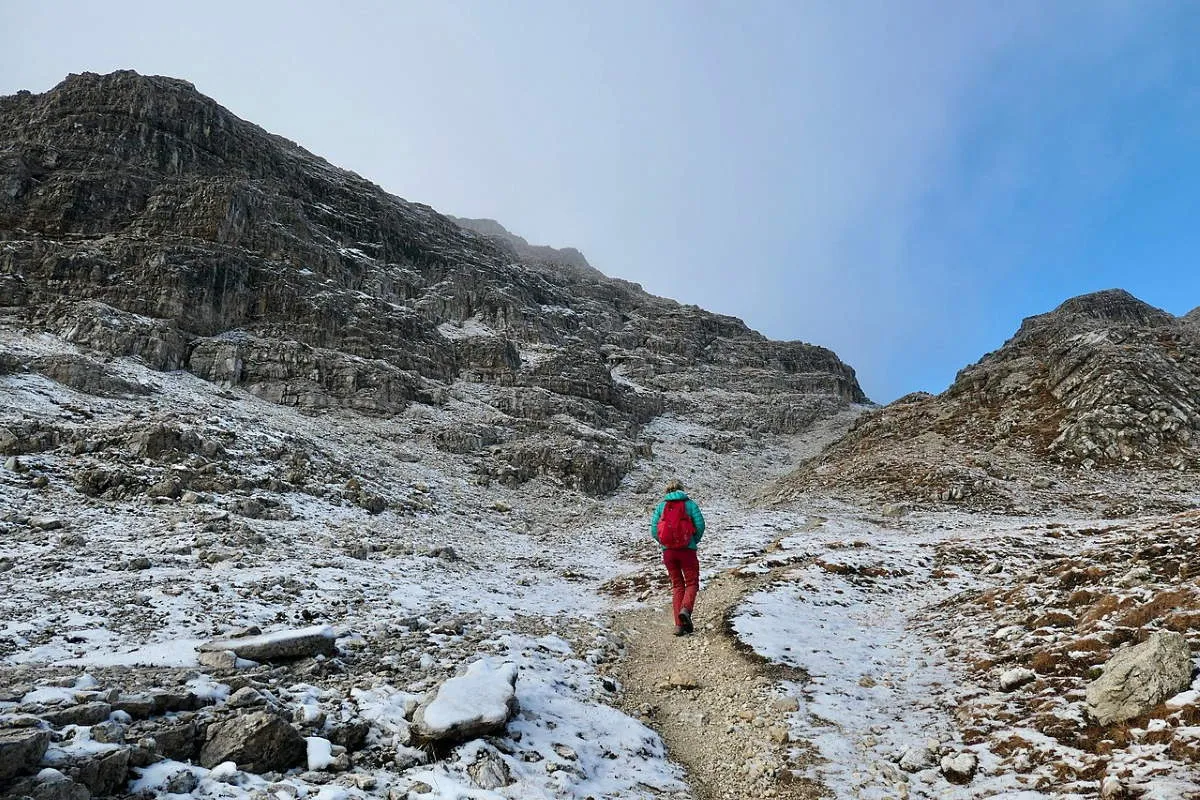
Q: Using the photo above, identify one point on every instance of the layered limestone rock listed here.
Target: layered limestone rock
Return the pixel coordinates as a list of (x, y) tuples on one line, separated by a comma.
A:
[(140, 218), (1104, 383)]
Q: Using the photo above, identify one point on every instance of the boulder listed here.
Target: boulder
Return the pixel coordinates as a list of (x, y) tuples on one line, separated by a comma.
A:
[(478, 703), (49, 784), (278, 646), (21, 749), (917, 758), (1138, 678), (959, 767), (1015, 678), (256, 742), (103, 773)]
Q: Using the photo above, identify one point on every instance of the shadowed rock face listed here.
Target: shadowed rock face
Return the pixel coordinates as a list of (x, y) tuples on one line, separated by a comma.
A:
[(140, 218), (1103, 382)]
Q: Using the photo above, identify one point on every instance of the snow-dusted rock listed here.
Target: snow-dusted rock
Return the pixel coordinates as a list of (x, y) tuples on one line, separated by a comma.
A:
[(959, 767), (218, 659), (477, 703), (20, 749), (489, 771), (103, 772), (256, 742), (1015, 678), (84, 714), (49, 784), (278, 646), (917, 758), (1138, 678)]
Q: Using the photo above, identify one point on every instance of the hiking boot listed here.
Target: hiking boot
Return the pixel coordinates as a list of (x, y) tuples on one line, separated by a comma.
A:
[(679, 631), (685, 621)]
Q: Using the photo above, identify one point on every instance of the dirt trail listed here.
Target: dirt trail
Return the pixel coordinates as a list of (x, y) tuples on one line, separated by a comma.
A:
[(729, 729)]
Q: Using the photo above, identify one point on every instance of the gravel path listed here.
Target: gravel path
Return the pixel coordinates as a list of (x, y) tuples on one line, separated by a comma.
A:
[(715, 704)]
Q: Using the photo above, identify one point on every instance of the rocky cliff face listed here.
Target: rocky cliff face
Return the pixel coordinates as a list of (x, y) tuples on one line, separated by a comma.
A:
[(1099, 393), (140, 218)]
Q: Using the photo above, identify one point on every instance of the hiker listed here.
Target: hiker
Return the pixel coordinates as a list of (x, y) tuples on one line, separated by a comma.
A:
[(677, 525)]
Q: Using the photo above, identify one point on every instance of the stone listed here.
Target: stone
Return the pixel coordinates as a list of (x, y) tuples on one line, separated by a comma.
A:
[(136, 706), (176, 740), (49, 784), (1015, 678), (960, 767), (246, 697), (257, 742), (21, 749), (1041, 482), (103, 773), (286, 645), (682, 679), (489, 771), (110, 732), (1137, 678), (183, 781), (84, 714), (917, 758), (168, 487), (46, 523), (785, 705), (218, 659), (480, 702)]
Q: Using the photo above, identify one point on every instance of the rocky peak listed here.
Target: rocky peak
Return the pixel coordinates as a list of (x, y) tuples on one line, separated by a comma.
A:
[(1105, 382), (1107, 307), (140, 218)]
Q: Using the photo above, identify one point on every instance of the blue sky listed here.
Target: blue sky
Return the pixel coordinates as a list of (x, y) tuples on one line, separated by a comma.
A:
[(900, 181)]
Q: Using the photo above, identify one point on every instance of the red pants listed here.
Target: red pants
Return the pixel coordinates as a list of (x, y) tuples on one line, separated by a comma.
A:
[(684, 570)]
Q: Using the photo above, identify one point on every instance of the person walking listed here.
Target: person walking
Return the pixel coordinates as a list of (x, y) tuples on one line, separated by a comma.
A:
[(677, 525)]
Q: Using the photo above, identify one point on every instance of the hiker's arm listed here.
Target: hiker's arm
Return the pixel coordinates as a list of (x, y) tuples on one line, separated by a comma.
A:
[(654, 518), (697, 519)]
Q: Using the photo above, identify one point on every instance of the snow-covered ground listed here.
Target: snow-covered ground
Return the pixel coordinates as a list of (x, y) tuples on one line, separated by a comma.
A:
[(869, 614), (453, 571)]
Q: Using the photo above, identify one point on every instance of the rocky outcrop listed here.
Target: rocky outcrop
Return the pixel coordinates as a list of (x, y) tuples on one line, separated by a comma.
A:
[(1104, 382), (1138, 678), (139, 218)]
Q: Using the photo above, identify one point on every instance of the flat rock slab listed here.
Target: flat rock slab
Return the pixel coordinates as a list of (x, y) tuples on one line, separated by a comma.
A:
[(1138, 678), (277, 646), (477, 703), (84, 714)]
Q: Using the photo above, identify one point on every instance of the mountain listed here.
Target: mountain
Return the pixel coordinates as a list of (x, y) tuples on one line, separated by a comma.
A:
[(1095, 404), (140, 218), (567, 258)]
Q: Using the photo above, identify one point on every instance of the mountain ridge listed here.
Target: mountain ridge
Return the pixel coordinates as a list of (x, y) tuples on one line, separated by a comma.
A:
[(1104, 385), (139, 217)]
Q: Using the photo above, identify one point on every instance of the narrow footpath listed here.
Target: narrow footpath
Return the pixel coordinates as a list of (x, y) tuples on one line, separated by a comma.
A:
[(715, 704)]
